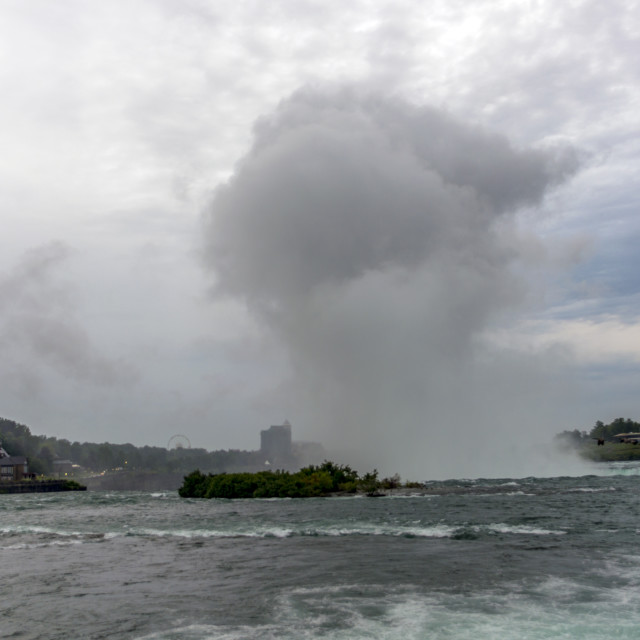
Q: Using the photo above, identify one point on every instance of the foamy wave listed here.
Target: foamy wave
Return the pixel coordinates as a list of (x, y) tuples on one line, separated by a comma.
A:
[(35, 537), (521, 610), (275, 532), (422, 496), (437, 531), (415, 530), (523, 529), (39, 545), (33, 529), (591, 490)]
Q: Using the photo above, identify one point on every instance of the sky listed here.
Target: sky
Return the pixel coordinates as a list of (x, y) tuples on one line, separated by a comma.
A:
[(409, 229)]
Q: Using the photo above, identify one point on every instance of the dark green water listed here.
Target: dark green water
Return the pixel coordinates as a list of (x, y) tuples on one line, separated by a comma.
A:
[(533, 558)]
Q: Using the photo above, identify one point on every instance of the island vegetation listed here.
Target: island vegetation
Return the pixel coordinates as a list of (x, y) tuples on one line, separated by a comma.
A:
[(618, 440), (325, 479)]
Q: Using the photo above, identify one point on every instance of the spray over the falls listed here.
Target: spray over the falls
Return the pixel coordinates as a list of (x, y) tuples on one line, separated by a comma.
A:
[(376, 241)]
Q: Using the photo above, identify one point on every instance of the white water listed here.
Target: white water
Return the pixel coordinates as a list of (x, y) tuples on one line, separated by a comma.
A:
[(554, 559)]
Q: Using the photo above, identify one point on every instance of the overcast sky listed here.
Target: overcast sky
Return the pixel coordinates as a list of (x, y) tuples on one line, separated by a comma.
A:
[(411, 229)]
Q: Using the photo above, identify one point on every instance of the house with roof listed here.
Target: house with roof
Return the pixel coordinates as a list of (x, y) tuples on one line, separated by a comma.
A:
[(12, 468), (628, 438)]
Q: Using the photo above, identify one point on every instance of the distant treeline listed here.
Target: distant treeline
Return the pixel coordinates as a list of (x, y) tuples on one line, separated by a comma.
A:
[(312, 481), (586, 443), (41, 451)]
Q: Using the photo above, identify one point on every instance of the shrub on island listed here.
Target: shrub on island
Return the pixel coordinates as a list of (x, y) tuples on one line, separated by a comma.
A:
[(309, 482)]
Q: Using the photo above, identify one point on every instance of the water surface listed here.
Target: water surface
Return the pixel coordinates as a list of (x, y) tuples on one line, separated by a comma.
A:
[(482, 559)]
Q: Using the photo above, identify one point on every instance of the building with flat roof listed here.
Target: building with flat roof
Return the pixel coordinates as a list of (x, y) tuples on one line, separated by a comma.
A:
[(275, 443)]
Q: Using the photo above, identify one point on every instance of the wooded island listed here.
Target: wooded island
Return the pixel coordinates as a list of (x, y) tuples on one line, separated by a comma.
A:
[(313, 481)]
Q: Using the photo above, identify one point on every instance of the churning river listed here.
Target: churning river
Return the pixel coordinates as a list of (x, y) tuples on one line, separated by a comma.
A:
[(526, 558)]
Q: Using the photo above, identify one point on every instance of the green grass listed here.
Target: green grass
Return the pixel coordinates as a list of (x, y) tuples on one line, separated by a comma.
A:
[(611, 452)]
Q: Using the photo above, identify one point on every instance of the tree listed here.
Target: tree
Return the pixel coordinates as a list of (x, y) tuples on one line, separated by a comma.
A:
[(45, 456), (619, 425)]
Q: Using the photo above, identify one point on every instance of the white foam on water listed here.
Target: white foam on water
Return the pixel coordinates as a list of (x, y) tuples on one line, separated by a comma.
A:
[(112, 534), (591, 490), (206, 632), (34, 529), (413, 530), (39, 545), (413, 496), (263, 532), (355, 529), (274, 533), (620, 468), (551, 609), (435, 531), (521, 529), (37, 537), (625, 567)]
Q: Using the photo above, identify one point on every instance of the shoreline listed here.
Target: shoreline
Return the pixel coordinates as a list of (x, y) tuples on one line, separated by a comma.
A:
[(40, 486)]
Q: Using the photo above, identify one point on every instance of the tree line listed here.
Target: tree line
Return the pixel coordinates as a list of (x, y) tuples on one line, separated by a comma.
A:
[(42, 451), (586, 442), (600, 431)]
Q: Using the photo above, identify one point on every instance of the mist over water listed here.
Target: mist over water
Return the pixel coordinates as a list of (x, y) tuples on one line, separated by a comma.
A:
[(377, 241)]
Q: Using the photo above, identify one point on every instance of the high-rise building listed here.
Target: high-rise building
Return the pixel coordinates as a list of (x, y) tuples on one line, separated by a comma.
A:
[(275, 443)]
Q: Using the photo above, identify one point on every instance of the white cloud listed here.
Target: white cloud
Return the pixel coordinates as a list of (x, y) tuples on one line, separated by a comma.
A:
[(591, 341)]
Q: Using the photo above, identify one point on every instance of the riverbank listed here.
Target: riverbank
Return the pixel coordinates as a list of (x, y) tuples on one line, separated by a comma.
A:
[(611, 452), (40, 486)]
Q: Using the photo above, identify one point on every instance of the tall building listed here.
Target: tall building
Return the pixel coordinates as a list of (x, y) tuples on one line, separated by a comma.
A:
[(275, 443)]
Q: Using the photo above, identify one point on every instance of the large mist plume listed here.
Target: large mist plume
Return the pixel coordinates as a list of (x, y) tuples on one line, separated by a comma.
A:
[(373, 238)]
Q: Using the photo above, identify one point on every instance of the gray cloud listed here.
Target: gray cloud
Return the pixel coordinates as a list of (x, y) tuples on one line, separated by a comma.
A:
[(37, 326), (372, 238), (337, 185)]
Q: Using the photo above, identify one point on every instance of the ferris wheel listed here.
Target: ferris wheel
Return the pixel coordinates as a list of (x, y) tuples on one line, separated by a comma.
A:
[(179, 442)]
